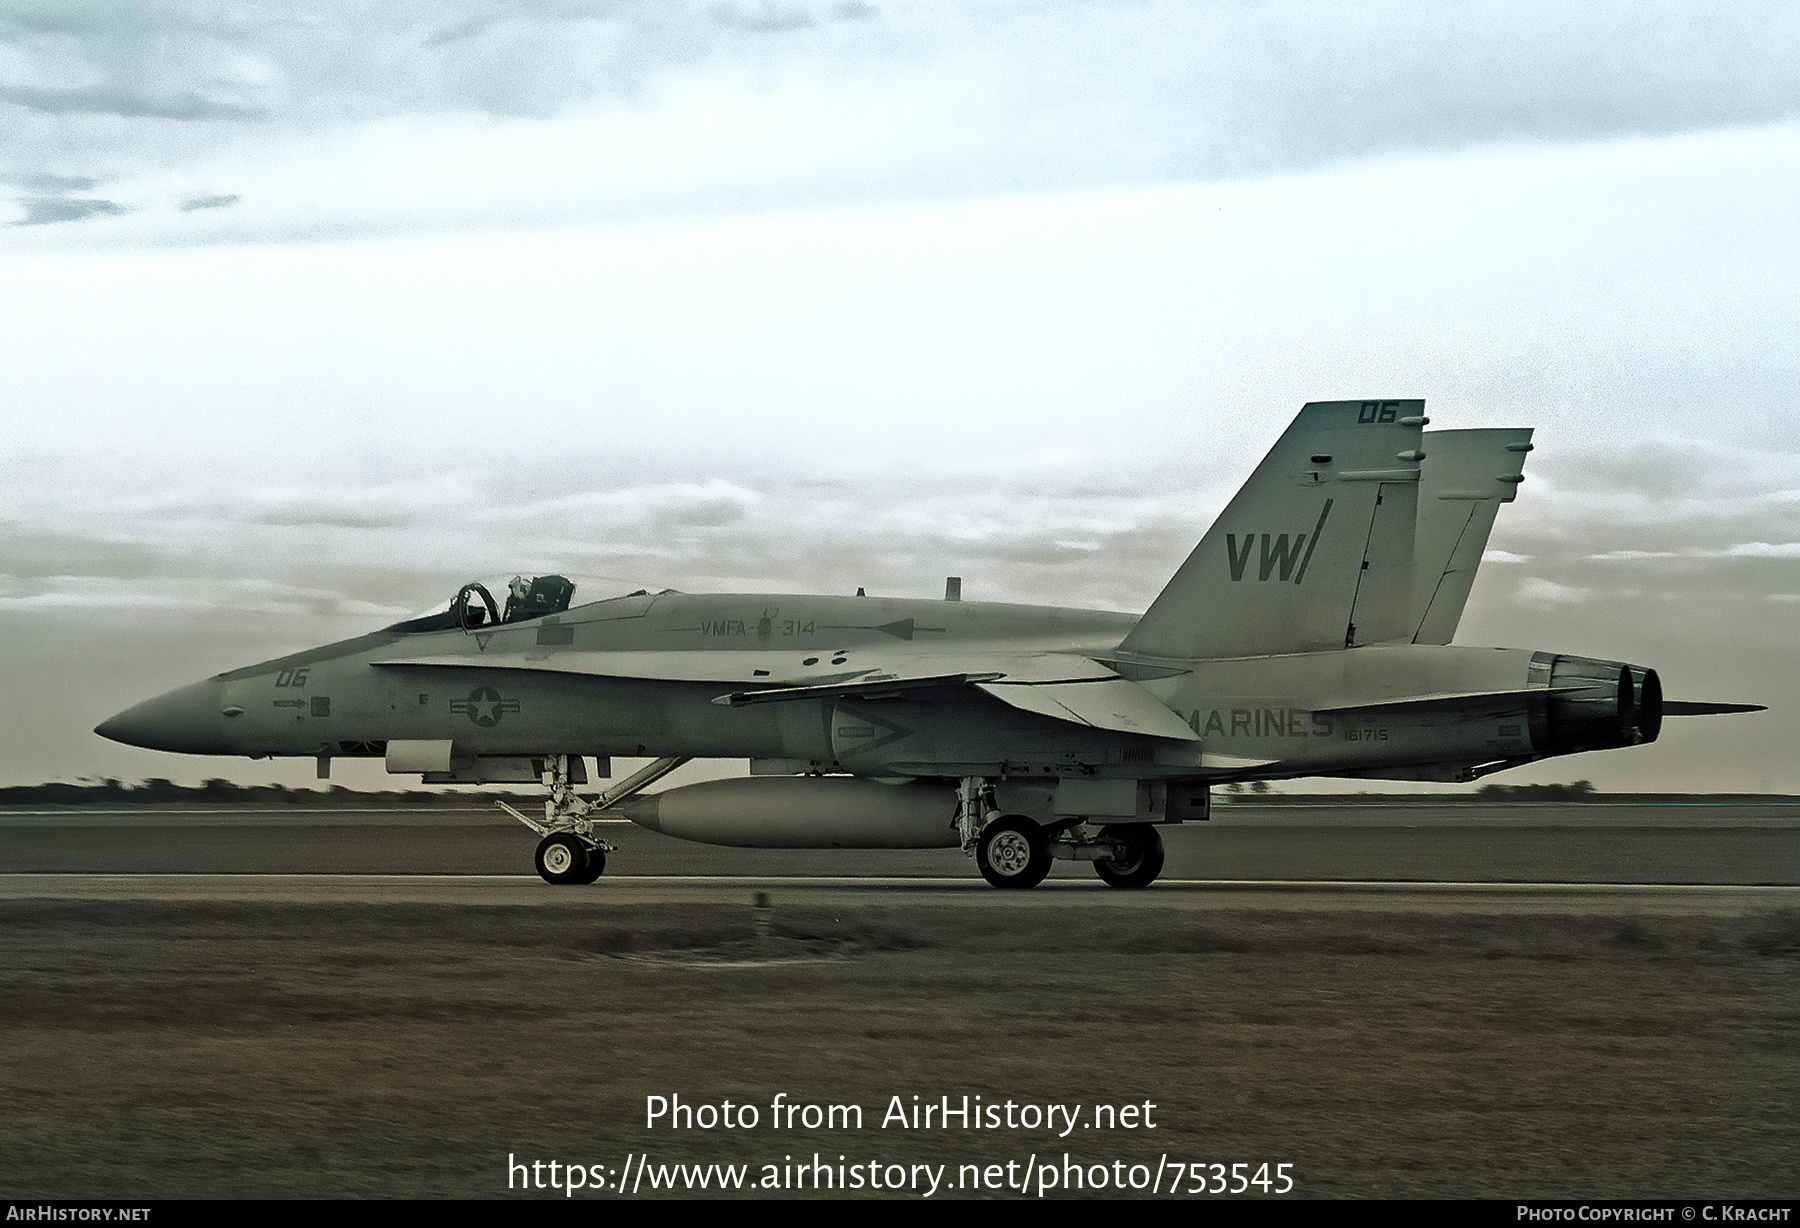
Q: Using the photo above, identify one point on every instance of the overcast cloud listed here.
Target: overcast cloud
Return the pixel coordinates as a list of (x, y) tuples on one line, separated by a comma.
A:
[(335, 118)]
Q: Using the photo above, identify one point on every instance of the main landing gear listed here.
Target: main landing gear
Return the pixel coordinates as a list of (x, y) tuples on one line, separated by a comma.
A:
[(570, 851), (1015, 853), (1136, 858)]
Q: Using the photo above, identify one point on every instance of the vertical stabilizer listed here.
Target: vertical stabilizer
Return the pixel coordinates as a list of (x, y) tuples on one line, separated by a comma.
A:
[(1282, 569), (1467, 476)]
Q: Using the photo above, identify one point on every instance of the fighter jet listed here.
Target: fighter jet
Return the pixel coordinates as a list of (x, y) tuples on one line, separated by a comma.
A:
[(1308, 634)]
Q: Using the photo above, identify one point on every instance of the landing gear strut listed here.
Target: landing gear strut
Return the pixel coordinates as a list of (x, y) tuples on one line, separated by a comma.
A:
[(1012, 852), (1015, 853), (570, 851)]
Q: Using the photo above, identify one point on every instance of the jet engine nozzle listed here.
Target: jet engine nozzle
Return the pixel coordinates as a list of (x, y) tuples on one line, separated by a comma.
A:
[(1592, 705)]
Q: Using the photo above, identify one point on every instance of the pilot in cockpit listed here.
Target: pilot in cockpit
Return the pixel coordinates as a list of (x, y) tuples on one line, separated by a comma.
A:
[(517, 590), (474, 606), (535, 598)]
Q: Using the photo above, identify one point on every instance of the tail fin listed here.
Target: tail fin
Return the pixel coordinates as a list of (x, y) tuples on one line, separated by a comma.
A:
[(1315, 552), (1467, 476)]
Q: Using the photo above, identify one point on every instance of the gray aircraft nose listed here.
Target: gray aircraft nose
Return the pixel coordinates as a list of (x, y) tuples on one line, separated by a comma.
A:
[(186, 720)]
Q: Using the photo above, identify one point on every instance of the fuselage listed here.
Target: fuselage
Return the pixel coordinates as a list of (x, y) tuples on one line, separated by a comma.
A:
[(643, 676), (649, 668)]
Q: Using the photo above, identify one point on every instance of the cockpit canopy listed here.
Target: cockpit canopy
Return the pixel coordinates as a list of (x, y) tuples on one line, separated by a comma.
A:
[(525, 599), (520, 599), (494, 601)]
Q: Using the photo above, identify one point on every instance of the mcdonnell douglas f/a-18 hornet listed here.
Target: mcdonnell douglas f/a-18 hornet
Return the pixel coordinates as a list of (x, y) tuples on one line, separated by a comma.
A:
[(1307, 635)]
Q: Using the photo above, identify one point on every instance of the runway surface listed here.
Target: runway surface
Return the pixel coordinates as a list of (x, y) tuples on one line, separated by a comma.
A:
[(1637, 844), (1179, 896), (1574, 1002)]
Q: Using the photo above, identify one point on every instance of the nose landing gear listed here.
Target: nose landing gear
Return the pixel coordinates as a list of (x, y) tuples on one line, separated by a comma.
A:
[(570, 851), (563, 858)]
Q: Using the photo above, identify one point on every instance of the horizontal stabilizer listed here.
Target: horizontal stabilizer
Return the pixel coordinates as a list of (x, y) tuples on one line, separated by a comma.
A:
[(1689, 707)]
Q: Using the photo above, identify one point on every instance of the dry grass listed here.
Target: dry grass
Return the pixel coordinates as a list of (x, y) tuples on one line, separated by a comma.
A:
[(242, 1050)]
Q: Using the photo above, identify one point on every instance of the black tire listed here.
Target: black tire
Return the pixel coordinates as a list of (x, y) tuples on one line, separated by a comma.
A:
[(1139, 859), (562, 858), (596, 866), (1013, 853)]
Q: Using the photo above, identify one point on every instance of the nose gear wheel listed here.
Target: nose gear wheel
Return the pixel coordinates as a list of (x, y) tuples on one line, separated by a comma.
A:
[(563, 858)]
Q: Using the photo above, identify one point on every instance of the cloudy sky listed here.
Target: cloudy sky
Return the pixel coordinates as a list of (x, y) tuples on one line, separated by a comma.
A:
[(311, 312)]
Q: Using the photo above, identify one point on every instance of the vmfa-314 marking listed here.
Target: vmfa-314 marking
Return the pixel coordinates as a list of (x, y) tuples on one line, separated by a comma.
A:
[(1307, 635)]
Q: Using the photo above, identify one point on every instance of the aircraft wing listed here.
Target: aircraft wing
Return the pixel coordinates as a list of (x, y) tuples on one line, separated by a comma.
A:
[(874, 686), (786, 670), (1060, 686), (767, 668), (1063, 686)]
